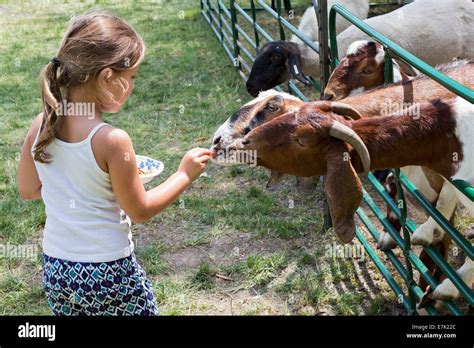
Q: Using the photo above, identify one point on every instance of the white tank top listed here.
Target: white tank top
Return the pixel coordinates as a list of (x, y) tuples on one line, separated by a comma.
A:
[(84, 222)]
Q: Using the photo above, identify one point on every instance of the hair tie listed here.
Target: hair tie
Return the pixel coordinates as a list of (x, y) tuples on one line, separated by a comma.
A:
[(55, 61)]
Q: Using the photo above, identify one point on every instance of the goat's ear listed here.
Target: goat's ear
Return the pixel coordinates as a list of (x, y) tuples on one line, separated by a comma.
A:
[(343, 190), (294, 65), (275, 103)]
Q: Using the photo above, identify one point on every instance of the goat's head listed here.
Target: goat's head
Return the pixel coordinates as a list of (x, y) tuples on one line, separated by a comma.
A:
[(273, 65), (314, 140), (269, 105), (361, 68)]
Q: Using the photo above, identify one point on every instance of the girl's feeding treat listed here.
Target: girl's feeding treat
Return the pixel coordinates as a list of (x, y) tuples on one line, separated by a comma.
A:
[(86, 173)]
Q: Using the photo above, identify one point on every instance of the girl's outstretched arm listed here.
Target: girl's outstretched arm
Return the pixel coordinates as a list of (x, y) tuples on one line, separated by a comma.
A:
[(29, 184), (138, 204)]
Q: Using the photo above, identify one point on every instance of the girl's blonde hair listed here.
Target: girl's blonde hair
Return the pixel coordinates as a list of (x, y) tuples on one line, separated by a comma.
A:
[(93, 42)]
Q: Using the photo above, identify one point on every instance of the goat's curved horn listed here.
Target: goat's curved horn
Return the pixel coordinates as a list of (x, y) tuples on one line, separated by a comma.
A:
[(340, 131), (345, 109)]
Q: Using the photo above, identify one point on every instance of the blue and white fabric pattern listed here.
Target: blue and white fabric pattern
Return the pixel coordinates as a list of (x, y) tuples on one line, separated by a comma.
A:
[(107, 288)]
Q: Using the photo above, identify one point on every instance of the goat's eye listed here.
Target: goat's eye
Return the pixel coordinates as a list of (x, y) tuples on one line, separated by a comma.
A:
[(300, 142), (272, 108), (368, 70), (275, 58), (341, 72)]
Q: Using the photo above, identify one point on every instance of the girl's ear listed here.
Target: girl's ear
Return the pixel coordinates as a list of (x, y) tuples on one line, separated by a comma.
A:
[(343, 190), (105, 75)]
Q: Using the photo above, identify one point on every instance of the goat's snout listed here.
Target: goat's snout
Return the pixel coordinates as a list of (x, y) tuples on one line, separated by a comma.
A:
[(328, 95), (251, 90), (216, 143)]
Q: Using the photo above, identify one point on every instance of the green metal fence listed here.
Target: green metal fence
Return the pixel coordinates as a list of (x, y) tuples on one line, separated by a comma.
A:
[(226, 21)]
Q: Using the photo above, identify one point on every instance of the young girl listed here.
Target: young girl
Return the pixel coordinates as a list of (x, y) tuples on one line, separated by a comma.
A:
[(85, 171)]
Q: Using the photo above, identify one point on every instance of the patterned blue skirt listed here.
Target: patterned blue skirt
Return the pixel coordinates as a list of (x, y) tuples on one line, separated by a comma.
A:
[(107, 288)]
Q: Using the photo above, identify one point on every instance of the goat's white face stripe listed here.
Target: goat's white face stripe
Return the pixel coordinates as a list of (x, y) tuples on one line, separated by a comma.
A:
[(464, 117), (224, 131), (271, 92)]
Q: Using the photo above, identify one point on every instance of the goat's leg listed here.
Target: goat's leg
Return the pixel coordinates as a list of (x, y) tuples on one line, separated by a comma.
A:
[(447, 291), (427, 181), (430, 232), (433, 269), (286, 3), (386, 242)]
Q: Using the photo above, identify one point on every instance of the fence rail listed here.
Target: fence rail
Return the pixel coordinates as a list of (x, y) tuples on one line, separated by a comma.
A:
[(225, 23)]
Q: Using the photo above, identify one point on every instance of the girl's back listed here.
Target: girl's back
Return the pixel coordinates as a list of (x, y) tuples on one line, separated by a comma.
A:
[(84, 221)]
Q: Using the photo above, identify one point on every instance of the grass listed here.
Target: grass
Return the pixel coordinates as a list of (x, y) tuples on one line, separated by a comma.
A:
[(203, 277)]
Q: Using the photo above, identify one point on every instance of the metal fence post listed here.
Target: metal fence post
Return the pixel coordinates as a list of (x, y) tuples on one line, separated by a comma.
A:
[(254, 18), (209, 9), (321, 9), (409, 281), (282, 32), (219, 9), (321, 12), (235, 34), (388, 72)]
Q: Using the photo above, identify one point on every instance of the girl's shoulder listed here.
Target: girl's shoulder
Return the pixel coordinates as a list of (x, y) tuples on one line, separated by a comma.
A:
[(107, 142), (34, 128)]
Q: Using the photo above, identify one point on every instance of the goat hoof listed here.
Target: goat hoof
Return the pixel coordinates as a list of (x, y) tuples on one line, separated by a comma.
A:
[(386, 242), (422, 311), (423, 236), (446, 291)]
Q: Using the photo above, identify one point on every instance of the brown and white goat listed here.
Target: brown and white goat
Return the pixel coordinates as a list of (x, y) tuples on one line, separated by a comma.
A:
[(385, 99), (345, 78), (316, 141), (362, 68)]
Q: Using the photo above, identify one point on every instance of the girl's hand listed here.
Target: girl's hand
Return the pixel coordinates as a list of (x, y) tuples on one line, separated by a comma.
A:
[(194, 162)]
